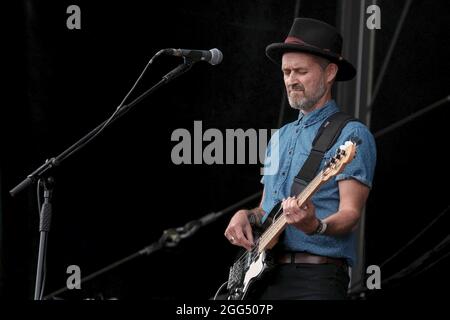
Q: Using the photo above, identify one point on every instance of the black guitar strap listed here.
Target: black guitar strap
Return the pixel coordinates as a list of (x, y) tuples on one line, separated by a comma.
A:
[(326, 137)]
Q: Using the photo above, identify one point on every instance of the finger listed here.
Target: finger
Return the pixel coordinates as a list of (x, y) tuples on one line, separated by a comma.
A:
[(293, 207), (284, 203), (289, 218), (293, 203), (241, 240), (231, 238), (303, 206), (292, 218), (249, 235), (287, 204)]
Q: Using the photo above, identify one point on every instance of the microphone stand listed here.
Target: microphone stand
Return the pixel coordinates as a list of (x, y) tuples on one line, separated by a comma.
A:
[(42, 173), (170, 238)]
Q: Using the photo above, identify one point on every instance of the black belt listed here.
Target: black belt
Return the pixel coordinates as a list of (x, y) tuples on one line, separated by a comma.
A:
[(308, 258)]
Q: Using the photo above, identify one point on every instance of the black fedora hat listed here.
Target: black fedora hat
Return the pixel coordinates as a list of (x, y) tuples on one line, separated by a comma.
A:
[(314, 37)]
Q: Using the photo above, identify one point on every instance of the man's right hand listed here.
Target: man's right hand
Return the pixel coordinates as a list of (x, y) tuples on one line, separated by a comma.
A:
[(239, 230)]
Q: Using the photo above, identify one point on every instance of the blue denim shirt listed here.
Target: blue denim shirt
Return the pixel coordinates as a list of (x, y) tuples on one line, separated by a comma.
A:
[(294, 144)]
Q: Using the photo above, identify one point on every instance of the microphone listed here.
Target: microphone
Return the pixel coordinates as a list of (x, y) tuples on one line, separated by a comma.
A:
[(213, 56)]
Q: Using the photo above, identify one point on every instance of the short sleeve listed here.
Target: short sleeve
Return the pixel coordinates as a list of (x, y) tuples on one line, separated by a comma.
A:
[(362, 167)]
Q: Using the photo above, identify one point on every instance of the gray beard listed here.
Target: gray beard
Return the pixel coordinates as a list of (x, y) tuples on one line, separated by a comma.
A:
[(307, 103)]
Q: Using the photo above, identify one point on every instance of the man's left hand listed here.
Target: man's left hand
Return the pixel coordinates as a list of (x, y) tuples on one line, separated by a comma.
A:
[(303, 218)]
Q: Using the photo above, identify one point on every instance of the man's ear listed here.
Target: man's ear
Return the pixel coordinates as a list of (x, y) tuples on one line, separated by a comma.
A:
[(331, 72)]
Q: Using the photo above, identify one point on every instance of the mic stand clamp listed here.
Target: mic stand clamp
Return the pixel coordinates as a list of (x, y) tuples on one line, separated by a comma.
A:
[(171, 237)]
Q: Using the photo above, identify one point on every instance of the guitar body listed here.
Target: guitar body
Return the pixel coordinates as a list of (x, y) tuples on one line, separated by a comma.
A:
[(245, 272), (251, 266)]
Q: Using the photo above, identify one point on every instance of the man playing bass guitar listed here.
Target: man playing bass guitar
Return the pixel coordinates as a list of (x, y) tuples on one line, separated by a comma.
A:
[(318, 243)]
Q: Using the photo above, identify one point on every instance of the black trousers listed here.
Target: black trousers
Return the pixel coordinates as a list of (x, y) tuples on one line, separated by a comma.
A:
[(305, 282)]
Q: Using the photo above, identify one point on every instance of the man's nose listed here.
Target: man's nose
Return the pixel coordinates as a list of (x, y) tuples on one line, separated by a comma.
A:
[(291, 79)]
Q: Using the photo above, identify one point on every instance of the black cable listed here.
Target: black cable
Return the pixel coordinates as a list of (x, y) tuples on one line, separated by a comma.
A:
[(416, 237), (415, 265), (38, 193), (411, 117), (419, 261), (434, 263), (409, 243)]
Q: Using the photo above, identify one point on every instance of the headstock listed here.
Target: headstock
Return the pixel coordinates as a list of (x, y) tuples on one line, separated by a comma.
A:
[(344, 155)]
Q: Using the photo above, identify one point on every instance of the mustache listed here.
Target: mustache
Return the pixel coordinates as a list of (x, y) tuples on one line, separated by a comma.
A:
[(297, 86)]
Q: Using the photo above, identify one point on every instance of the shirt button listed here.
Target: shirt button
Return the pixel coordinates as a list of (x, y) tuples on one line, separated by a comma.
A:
[(283, 173), (275, 192), (290, 152), (296, 131)]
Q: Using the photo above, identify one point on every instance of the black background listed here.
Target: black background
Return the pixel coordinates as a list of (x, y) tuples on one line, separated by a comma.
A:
[(118, 194)]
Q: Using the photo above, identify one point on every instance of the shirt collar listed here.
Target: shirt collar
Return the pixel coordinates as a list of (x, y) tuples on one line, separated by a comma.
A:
[(317, 115)]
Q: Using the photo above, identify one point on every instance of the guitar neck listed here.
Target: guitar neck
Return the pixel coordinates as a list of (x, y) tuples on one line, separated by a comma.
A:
[(270, 237)]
